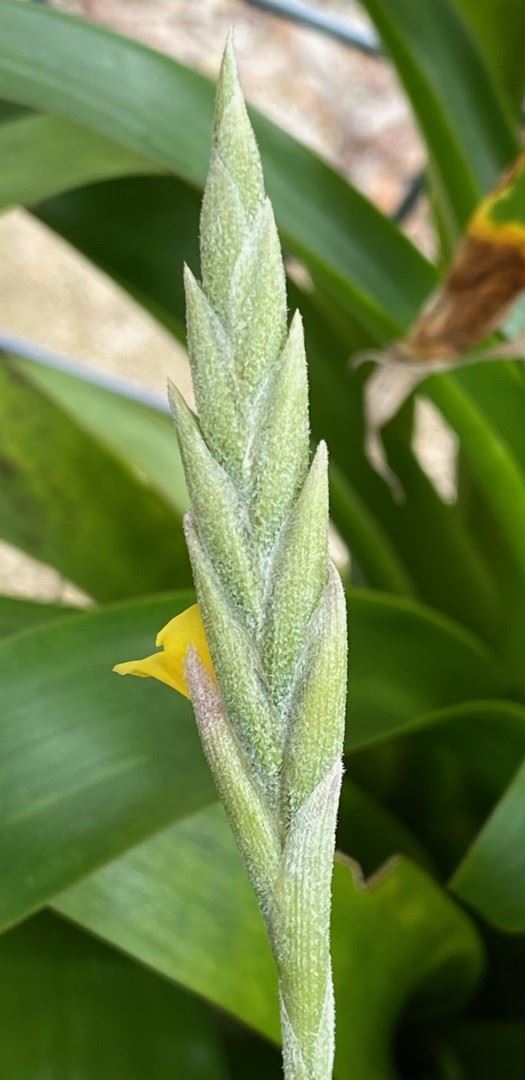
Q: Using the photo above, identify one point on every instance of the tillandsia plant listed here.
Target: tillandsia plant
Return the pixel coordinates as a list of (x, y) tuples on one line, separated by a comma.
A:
[(111, 840), (269, 692)]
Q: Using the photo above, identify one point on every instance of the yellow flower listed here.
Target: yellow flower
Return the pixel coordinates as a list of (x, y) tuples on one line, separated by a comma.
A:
[(180, 634)]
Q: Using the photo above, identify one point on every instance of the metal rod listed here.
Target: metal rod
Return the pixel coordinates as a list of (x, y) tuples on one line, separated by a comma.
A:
[(25, 350), (413, 192), (366, 41)]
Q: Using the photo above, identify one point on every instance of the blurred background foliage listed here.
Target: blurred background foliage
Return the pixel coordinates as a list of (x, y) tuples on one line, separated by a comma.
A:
[(131, 944)]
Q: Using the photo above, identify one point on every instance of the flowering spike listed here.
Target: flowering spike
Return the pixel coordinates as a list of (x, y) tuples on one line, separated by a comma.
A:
[(279, 648), (269, 695)]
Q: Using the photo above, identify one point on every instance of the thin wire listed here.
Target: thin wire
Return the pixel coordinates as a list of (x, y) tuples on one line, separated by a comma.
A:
[(25, 350), (366, 41), (413, 192)]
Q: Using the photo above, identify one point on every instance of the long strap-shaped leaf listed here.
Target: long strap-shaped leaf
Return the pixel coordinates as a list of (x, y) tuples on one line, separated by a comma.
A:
[(160, 110), (272, 605), (458, 106)]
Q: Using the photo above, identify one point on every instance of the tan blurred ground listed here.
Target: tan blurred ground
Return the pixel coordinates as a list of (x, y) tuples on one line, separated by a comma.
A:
[(347, 107)]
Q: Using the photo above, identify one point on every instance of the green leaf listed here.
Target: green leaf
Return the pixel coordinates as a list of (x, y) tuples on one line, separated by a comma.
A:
[(72, 1009), (370, 834), (90, 763), (143, 434), (180, 903), (497, 389), (199, 925), (367, 541), (489, 450), (158, 109), (499, 26), (491, 877), (458, 106), (249, 1054), (9, 112), (89, 158), (467, 754), (451, 573), (485, 405), (151, 228), (426, 662), (18, 614), (485, 1050), (68, 501)]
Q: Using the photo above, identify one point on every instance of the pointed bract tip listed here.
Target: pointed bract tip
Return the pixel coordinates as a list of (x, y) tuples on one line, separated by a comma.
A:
[(228, 82), (296, 329), (334, 776), (296, 322), (193, 294), (188, 277), (320, 460), (175, 398), (334, 586), (229, 58), (181, 411), (267, 213)]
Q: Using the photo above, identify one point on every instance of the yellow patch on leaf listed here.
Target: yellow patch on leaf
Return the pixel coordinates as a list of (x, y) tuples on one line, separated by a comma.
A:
[(486, 278), (184, 632)]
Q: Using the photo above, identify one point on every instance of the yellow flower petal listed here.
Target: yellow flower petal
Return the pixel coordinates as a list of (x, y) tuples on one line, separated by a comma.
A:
[(180, 634), (155, 667), (188, 629)]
